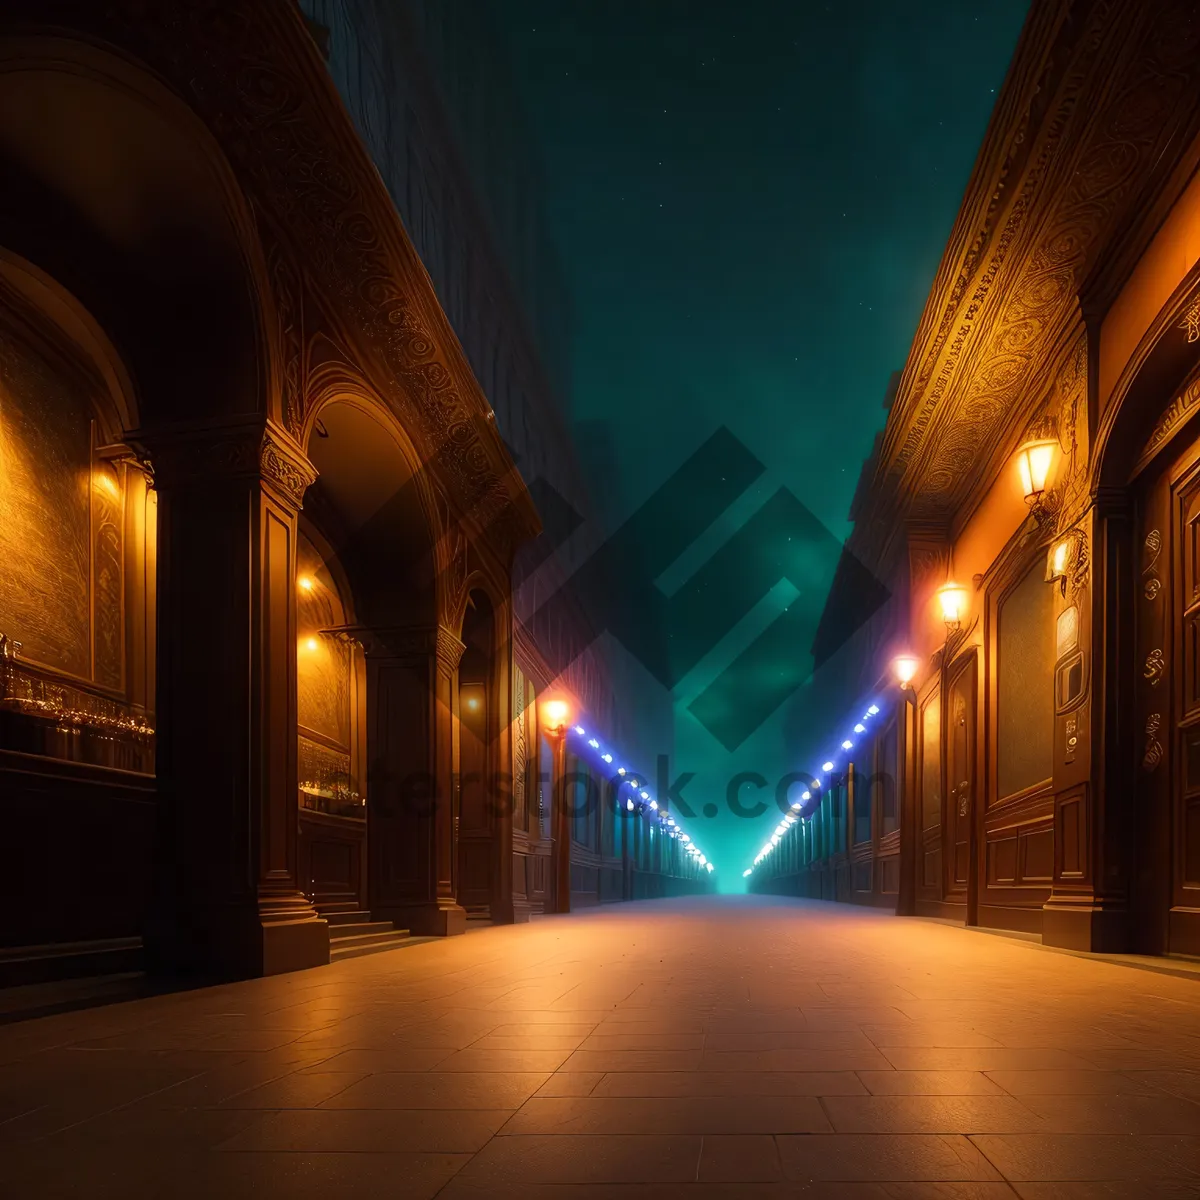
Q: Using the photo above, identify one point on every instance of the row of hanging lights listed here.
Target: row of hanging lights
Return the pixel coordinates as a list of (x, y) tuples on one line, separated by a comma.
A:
[(629, 787), (811, 794)]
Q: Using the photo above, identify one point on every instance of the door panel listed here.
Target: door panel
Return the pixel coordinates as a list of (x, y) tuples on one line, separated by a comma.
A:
[(960, 768), (930, 779), (1167, 805)]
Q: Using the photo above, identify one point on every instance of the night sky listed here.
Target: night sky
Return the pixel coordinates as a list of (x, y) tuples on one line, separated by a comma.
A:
[(749, 201)]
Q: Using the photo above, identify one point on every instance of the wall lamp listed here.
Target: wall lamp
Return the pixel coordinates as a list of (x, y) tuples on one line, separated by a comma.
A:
[(1035, 461), (1061, 559), (904, 667), (952, 598)]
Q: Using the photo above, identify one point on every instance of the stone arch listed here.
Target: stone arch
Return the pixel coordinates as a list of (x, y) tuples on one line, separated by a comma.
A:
[(1152, 398), (115, 188), (376, 506)]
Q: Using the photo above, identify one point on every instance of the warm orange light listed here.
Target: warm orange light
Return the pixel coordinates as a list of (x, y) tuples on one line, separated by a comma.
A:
[(305, 583), (1060, 557), (1035, 461), (473, 703), (953, 599), (904, 667), (555, 714), (311, 644), (103, 481)]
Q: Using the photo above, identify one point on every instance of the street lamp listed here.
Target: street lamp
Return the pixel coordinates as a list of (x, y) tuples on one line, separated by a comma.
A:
[(555, 716)]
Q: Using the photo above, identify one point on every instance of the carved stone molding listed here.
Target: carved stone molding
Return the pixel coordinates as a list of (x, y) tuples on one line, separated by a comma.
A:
[(194, 456), (284, 466), (1174, 416), (415, 643), (1070, 155), (1153, 752), (1153, 548), (1191, 323)]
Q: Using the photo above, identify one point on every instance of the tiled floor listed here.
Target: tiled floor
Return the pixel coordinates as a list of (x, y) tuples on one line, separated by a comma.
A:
[(737, 1048)]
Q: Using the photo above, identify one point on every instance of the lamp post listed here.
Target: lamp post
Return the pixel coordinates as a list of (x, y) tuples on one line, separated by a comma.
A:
[(904, 668), (555, 716)]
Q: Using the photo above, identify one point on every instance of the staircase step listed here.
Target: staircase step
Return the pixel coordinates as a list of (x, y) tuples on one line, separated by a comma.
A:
[(338, 932), (20, 965), (352, 917), (371, 943)]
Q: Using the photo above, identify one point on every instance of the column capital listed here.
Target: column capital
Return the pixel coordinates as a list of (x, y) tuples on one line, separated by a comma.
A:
[(411, 642), (184, 455)]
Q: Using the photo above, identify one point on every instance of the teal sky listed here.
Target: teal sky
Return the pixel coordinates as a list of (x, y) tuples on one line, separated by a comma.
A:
[(749, 202)]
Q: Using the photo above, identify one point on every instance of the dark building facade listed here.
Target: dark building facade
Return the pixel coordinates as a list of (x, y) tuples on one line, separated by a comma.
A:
[(1015, 736), (267, 447)]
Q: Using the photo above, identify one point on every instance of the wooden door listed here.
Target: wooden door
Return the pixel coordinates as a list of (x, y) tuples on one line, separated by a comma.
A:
[(929, 782), (960, 780), (1183, 926), (475, 808), (1166, 883)]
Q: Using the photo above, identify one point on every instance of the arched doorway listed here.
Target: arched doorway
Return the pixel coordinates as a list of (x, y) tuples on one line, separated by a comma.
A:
[(78, 526), (1165, 890), (374, 680), (477, 723), (330, 695), (1144, 555)]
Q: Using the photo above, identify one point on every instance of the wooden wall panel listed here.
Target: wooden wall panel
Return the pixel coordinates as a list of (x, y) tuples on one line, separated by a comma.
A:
[(72, 831)]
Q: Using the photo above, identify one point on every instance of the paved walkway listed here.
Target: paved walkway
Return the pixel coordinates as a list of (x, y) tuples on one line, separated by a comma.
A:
[(708, 1048)]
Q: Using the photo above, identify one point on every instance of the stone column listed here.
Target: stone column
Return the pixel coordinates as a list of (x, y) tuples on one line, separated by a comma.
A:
[(226, 899), (561, 821), (1088, 908), (411, 777), (500, 763)]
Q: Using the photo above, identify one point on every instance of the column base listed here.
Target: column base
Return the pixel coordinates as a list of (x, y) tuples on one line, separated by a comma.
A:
[(435, 918), (1089, 927), (237, 943)]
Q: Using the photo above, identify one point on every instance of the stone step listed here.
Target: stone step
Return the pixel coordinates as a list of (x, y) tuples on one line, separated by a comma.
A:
[(338, 933), (369, 943), (21, 965), (351, 917)]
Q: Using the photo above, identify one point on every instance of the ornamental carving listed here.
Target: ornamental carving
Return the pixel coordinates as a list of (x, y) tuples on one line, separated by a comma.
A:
[(1079, 569), (248, 72), (1017, 281), (1153, 548), (200, 456), (1155, 667), (1191, 323), (417, 644), (1179, 411), (284, 470), (1153, 753)]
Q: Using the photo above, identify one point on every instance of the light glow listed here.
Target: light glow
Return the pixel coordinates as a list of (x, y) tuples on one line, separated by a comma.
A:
[(953, 600), (904, 667), (1034, 462)]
